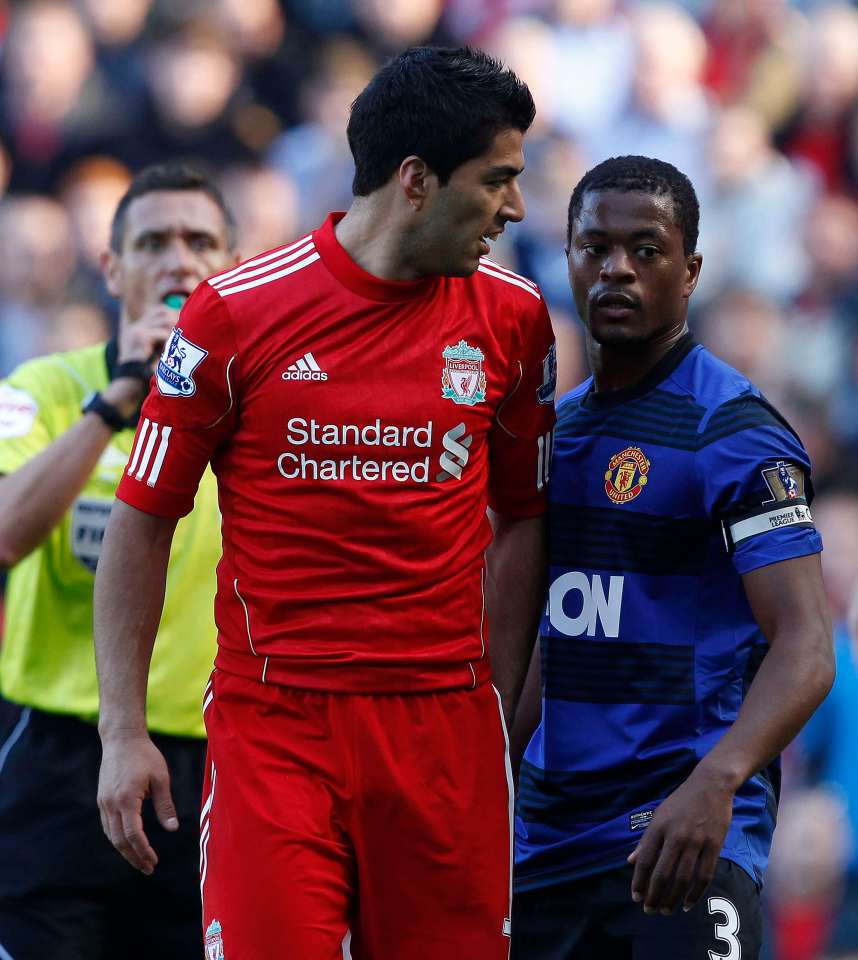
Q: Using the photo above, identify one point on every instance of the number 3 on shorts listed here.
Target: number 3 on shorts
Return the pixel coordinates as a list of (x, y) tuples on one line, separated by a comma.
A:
[(726, 931)]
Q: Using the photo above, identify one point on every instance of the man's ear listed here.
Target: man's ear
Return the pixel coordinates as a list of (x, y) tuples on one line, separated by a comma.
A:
[(413, 176), (693, 266), (108, 260)]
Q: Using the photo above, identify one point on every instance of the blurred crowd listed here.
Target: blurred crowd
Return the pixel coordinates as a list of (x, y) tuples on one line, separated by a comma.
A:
[(756, 100)]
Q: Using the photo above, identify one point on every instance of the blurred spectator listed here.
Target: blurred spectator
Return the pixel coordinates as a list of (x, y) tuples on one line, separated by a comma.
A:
[(554, 166), (754, 204), (818, 905), (669, 112), (753, 55), (192, 76), (5, 169), (828, 306), (819, 130), (315, 154), (527, 45), (55, 104), (748, 331), (115, 24), (593, 40), (391, 25), (37, 263), (74, 326), (806, 872), (265, 204), (255, 28), (89, 192)]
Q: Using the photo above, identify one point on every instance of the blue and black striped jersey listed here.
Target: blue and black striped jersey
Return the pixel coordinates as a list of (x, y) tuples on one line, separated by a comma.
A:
[(661, 497)]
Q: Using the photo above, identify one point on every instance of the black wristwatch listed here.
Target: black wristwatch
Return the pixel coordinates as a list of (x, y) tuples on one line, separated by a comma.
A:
[(95, 403), (138, 369)]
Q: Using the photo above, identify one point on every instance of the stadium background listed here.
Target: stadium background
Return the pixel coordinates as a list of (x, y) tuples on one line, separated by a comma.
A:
[(757, 100)]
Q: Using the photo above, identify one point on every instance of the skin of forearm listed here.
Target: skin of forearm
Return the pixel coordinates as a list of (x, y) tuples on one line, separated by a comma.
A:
[(34, 499), (515, 588), (788, 687), (129, 596)]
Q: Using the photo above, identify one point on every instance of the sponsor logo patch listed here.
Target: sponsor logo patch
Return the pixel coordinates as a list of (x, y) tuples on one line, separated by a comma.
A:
[(88, 523), (17, 412), (640, 820), (785, 482), (174, 375), (454, 459), (545, 394), (627, 474), (463, 379), (214, 941), (304, 368)]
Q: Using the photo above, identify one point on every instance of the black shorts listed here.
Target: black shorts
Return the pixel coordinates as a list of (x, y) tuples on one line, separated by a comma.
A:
[(64, 891), (594, 918)]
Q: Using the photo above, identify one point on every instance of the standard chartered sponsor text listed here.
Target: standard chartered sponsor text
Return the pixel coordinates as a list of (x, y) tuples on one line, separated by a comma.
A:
[(304, 465)]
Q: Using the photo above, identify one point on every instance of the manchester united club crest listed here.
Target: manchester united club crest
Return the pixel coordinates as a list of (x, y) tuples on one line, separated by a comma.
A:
[(214, 941), (463, 379), (626, 475)]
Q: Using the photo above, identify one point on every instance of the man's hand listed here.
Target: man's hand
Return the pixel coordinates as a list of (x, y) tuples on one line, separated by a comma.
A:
[(131, 770), (677, 856), (144, 339), (140, 341)]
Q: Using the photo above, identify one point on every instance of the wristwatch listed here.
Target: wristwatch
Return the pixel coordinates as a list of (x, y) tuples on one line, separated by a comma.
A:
[(138, 369), (95, 403)]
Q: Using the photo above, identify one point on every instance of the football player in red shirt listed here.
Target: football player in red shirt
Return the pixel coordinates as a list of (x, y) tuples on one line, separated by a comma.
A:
[(363, 395)]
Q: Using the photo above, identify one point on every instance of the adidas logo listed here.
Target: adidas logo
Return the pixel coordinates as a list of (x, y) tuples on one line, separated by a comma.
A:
[(305, 368)]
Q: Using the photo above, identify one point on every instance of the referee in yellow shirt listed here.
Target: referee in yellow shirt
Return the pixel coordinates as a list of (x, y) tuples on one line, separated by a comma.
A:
[(66, 428)]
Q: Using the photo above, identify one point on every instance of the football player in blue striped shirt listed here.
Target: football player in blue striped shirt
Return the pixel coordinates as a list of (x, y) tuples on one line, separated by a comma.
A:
[(686, 638)]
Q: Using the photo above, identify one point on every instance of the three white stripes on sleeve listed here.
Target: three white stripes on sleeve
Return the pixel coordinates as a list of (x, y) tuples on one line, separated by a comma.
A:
[(143, 449)]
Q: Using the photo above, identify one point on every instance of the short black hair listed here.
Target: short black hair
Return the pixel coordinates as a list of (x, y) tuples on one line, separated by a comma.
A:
[(647, 175), (175, 175), (442, 104)]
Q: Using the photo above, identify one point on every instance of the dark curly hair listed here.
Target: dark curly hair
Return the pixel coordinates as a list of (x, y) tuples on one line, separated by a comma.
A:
[(647, 175)]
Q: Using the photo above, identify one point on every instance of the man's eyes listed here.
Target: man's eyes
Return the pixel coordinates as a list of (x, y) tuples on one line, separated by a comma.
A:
[(202, 243)]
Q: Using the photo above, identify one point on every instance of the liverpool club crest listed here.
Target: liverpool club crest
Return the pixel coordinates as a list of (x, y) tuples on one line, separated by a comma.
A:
[(463, 379), (626, 475), (214, 941)]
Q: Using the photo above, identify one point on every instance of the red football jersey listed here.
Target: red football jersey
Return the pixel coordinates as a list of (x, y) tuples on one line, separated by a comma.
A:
[(357, 428)]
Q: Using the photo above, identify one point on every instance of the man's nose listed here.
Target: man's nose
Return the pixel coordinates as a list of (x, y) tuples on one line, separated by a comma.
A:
[(617, 265), (179, 258), (513, 208)]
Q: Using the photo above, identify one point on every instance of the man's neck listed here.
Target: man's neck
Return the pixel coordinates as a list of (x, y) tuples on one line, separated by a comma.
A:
[(619, 367), (372, 234)]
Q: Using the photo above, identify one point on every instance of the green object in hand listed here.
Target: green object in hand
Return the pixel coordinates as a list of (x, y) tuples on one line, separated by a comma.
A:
[(175, 301)]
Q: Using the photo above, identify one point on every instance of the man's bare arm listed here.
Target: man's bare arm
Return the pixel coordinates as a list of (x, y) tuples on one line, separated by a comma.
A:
[(35, 497), (129, 597), (679, 851), (528, 712), (515, 589)]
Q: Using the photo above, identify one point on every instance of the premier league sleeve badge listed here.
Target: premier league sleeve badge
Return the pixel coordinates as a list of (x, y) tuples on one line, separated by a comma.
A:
[(174, 374)]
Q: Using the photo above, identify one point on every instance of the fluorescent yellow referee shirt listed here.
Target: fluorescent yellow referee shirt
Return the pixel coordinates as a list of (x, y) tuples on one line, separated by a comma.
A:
[(47, 660)]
